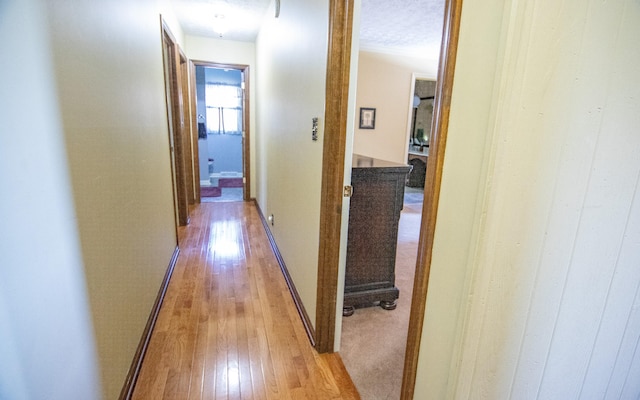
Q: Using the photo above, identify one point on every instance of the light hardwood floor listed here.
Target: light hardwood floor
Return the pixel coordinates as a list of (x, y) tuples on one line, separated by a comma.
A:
[(228, 328)]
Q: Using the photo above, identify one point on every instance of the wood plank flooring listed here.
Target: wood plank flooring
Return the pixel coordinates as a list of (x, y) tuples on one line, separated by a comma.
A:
[(228, 328)]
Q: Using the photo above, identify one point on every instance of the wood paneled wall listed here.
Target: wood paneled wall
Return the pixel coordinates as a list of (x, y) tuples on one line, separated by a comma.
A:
[(550, 310)]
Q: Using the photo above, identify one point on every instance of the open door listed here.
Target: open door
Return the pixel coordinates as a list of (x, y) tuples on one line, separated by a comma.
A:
[(178, 137)]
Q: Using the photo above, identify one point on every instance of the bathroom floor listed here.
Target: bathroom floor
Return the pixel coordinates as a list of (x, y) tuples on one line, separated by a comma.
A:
[(222, 186), (228, 194)]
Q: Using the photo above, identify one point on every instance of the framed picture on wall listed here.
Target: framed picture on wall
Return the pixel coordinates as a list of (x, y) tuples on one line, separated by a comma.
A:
[(367, 118)]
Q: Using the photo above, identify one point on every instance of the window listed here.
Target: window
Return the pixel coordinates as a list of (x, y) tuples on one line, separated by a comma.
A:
[(224, 109)]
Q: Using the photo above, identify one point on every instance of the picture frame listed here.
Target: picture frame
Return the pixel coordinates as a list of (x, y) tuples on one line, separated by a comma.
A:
[(367, 118)]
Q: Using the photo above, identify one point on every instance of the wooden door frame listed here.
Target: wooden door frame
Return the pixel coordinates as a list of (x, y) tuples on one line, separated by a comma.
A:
[(176, 122), (187, 137), (338, 67), (194, 132), (246, 141), (333, 158), (433, 181)]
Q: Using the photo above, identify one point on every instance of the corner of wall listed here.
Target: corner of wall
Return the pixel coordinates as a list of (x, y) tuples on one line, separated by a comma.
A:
[(169, 17)]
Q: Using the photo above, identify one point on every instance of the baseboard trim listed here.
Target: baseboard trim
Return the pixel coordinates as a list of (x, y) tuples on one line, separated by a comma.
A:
[(134, 370), (306, 321)]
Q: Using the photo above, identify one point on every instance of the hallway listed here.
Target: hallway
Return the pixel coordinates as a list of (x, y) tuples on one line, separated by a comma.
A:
[(228, 327)]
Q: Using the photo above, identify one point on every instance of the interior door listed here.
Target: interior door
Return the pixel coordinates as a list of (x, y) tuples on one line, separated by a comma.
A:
[(176, 124)]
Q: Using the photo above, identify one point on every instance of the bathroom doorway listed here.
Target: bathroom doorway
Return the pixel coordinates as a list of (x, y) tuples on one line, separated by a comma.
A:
[(221, 121)]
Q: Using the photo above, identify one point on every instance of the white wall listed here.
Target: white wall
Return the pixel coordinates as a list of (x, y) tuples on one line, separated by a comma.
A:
[(108, 66), (47, 346), (385, 83), (291, 90), (534, 284), (226, 151), (231, 52)]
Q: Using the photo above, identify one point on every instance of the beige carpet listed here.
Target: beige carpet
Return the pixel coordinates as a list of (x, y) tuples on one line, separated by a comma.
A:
[(373, 339)]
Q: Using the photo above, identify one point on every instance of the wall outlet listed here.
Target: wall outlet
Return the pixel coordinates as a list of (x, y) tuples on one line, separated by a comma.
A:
[(270, 219)]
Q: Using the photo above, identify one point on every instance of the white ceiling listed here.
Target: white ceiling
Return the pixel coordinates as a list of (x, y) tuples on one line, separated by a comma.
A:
[(243, 17), (406, 26), (396, 26)]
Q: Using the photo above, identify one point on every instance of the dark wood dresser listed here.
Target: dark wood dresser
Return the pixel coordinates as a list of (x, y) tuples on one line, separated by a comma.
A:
[(374, 213)]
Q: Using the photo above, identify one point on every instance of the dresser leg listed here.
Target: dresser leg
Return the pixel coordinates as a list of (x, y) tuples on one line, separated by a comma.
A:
[(388, 305)]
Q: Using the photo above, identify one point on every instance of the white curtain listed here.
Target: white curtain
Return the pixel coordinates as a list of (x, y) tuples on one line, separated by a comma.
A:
[(224, 109)]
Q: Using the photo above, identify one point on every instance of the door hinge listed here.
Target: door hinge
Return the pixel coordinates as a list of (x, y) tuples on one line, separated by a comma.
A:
[(348, 191)]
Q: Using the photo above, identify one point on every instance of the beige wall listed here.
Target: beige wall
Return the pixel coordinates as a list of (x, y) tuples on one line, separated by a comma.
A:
[(108, 65), (46, 342), (291, 71), (231, 52), (533, 290), (385, 83)]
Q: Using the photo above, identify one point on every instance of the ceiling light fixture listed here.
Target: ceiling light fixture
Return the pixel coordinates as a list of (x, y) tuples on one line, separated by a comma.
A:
[(220, 24)]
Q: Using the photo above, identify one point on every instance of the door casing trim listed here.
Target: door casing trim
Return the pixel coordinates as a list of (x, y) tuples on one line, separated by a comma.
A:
[(333, 158), (435, 162)]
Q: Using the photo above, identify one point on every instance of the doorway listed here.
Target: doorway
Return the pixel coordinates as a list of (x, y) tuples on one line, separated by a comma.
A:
[(334, 151), (373, 339), (221, 121)]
